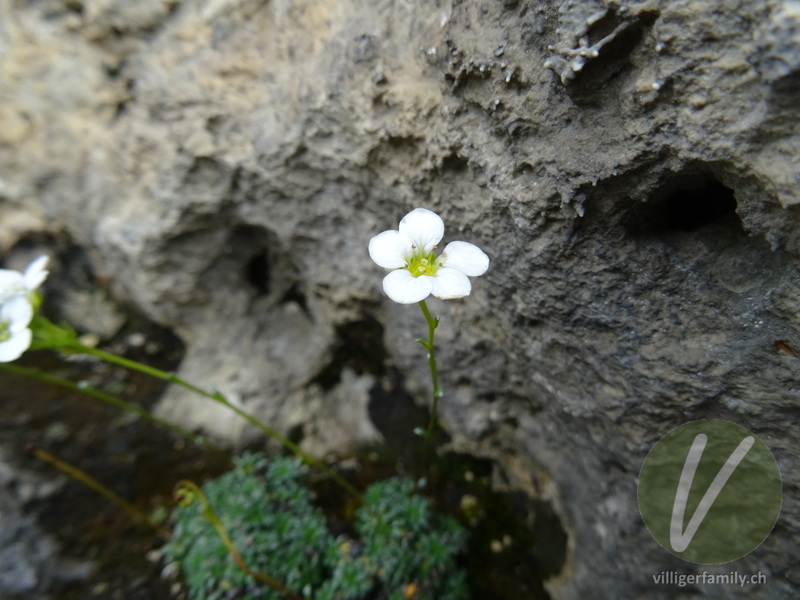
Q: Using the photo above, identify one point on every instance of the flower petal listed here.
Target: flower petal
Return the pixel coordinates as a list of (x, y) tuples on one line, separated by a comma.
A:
[(17, 312), (13, 348), (389, 249), (35, 273), (424, 228), (466, 257), (11, 282), (401, 286), (450, 283)]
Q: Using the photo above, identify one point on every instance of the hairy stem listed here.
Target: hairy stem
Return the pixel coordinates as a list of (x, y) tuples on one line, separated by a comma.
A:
[(98, 487), (93, 392), (437, 391), (218, 397)]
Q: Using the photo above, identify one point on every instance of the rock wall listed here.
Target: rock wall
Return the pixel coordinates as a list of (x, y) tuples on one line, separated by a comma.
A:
[(631, 169)]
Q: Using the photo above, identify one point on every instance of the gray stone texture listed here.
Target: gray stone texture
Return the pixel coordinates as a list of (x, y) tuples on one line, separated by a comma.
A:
[(29, 561), (631, 169)]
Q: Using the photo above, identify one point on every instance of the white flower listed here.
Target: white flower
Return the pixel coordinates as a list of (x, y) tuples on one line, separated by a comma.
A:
[(15, 337), (16, 307), (415, 271), (14, 283)]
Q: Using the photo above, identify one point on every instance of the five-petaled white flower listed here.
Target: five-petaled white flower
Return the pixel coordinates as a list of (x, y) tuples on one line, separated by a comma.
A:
[(415, 271), (16, 307)]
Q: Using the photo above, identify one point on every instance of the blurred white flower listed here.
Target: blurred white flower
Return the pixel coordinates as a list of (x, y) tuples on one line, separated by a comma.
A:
[(15, 337), (16, 307), (14, 283), (415, 271)]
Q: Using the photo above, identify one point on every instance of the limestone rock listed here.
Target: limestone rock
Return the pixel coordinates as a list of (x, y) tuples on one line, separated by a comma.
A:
[(226, 163), (29, 561)]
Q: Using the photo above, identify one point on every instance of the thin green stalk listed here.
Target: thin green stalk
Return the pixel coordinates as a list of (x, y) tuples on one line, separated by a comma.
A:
[(98, 487), (185, 493), (217, 396), (108, 399), (428, 345)]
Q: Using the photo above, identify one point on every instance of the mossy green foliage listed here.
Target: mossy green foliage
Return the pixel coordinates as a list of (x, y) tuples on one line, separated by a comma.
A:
[(403, 548)]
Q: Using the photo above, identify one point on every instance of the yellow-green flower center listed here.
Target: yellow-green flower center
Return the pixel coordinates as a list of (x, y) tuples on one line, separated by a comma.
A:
[(423, 265), (5, 333)]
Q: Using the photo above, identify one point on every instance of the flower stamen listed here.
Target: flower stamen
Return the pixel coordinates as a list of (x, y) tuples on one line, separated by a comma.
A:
[(422, 265)]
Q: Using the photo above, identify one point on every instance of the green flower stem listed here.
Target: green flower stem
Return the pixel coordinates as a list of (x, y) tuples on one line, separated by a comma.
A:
[(428, 345), (89, 390), (98, 487), (216, 396), (185, 493)]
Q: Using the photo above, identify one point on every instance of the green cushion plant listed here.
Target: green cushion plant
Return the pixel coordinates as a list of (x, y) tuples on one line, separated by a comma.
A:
[(402, 548)]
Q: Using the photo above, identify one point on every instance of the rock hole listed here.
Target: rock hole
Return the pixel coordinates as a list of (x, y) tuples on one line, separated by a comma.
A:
[(687, 203), (296, 434), (688, 210), (614, 59), (74, 7), (395, 414), (206, 173), (454, 163), (214, 124), (616, 39), (603, 27), (296, 295), (256, 272), (526, 321), (359, 346)]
